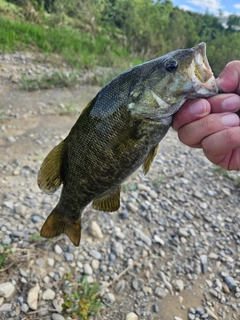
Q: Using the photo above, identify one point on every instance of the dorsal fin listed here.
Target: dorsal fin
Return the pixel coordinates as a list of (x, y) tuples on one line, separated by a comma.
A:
[(49, 175), (149, 159), (109, 202)]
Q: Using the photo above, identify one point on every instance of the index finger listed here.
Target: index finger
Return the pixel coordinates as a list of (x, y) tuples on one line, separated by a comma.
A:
[(229, 78)]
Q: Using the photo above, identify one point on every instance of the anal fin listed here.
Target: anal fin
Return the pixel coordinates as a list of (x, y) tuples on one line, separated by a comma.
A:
[(49, 175), (149, 159), (54, 226), (109, 202)]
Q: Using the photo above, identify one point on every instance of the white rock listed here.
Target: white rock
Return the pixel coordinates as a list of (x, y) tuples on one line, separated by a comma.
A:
[(24, 308), (131, 316), (95, 230), (50, 262), (1, 301), (95, 264), (87, 269), (158, 239), (56, 316), (48, 294), (58, 249), (32, 299), (6, 307), (6, 289)]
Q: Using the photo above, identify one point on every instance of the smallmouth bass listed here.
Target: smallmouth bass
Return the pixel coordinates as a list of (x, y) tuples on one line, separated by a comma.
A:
[(117, 132)]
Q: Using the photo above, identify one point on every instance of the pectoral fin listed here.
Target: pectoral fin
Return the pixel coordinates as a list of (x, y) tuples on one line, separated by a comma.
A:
[(49, 175), (54, 226), (109, 202), (149, 159)]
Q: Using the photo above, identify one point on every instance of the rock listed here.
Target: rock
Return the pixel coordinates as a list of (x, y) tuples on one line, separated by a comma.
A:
[(131, 316), (160, 292), (87, 269), (32, 299), (117, 248), (143, 237), (6, 289), (132, 207), (95, 230), (48, 294), (203, 259), (178, 284), (110, 297), (231, 283), (155, 308), (56, 316), (211, 313), (58, 249), (95, 264), (95, 254), (6, 307), (120, 286), (158, 240), (24, 307)]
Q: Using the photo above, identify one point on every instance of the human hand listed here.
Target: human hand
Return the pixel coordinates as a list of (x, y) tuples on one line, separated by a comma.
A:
[(212, 124)]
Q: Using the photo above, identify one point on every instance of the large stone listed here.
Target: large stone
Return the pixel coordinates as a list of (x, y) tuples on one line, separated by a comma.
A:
[(6, 289), (32, 299), (95, 230)]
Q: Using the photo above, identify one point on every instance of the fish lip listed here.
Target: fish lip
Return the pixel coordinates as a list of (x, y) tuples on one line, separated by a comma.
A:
[(201, 75), (200, 49)]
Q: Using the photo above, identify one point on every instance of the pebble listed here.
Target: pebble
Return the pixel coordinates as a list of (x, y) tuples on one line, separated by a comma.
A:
[(95, 230), (56, 316), (95, 254), (117, 248), (131, 316), (231, 283), (32, 298), (143, 237), (160, 292), (58, 249), (48, 294), (87, 269), (6, 289), (204, 263)]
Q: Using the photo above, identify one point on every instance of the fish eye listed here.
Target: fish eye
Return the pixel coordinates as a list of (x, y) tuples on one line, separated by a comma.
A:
[(171, 65)]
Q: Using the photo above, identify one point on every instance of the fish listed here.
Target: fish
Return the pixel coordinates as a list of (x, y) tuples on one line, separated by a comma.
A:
[(117, 132)]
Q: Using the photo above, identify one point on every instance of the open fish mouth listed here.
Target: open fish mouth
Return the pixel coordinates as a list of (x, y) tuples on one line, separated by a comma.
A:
[(203, 80)]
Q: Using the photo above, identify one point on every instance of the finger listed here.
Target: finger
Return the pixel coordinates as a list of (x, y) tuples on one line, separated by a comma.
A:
[(221, 148), (190, 111), (225, 103), (193, 133), (229, 79)]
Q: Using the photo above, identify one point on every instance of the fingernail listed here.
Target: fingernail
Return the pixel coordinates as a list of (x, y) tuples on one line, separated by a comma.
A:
[(198, 107), (230, 120), (231, 103)]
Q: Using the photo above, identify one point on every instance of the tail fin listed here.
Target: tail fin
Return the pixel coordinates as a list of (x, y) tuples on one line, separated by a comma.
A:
[(54, 226)]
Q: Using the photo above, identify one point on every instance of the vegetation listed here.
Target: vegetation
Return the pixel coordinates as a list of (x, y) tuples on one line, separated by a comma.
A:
[(4, 253), (81, 299), (115, 33)]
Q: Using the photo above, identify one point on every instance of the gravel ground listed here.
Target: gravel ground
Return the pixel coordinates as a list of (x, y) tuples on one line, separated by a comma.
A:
[(171, 252)]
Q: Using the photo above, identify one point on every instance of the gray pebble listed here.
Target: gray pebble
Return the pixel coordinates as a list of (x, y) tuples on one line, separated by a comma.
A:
[(69, 256), (95, 254), (231, 283)]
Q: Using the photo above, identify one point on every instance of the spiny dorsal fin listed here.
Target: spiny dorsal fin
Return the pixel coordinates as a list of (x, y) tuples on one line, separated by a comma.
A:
[(54, 226), (49, 175), (149, 159), (109, 202)]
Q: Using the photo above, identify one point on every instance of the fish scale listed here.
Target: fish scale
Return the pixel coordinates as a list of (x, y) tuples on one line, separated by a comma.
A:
[(117, 132)]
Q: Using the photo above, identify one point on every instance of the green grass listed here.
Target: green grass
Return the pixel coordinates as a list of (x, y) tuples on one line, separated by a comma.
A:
[(4, 253), (81, 299), (78, 48)]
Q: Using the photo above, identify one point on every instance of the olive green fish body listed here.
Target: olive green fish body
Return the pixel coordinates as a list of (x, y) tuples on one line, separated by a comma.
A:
[(118, 132)]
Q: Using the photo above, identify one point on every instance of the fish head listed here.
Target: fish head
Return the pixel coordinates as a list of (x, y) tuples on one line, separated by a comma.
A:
[(168, 81)]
